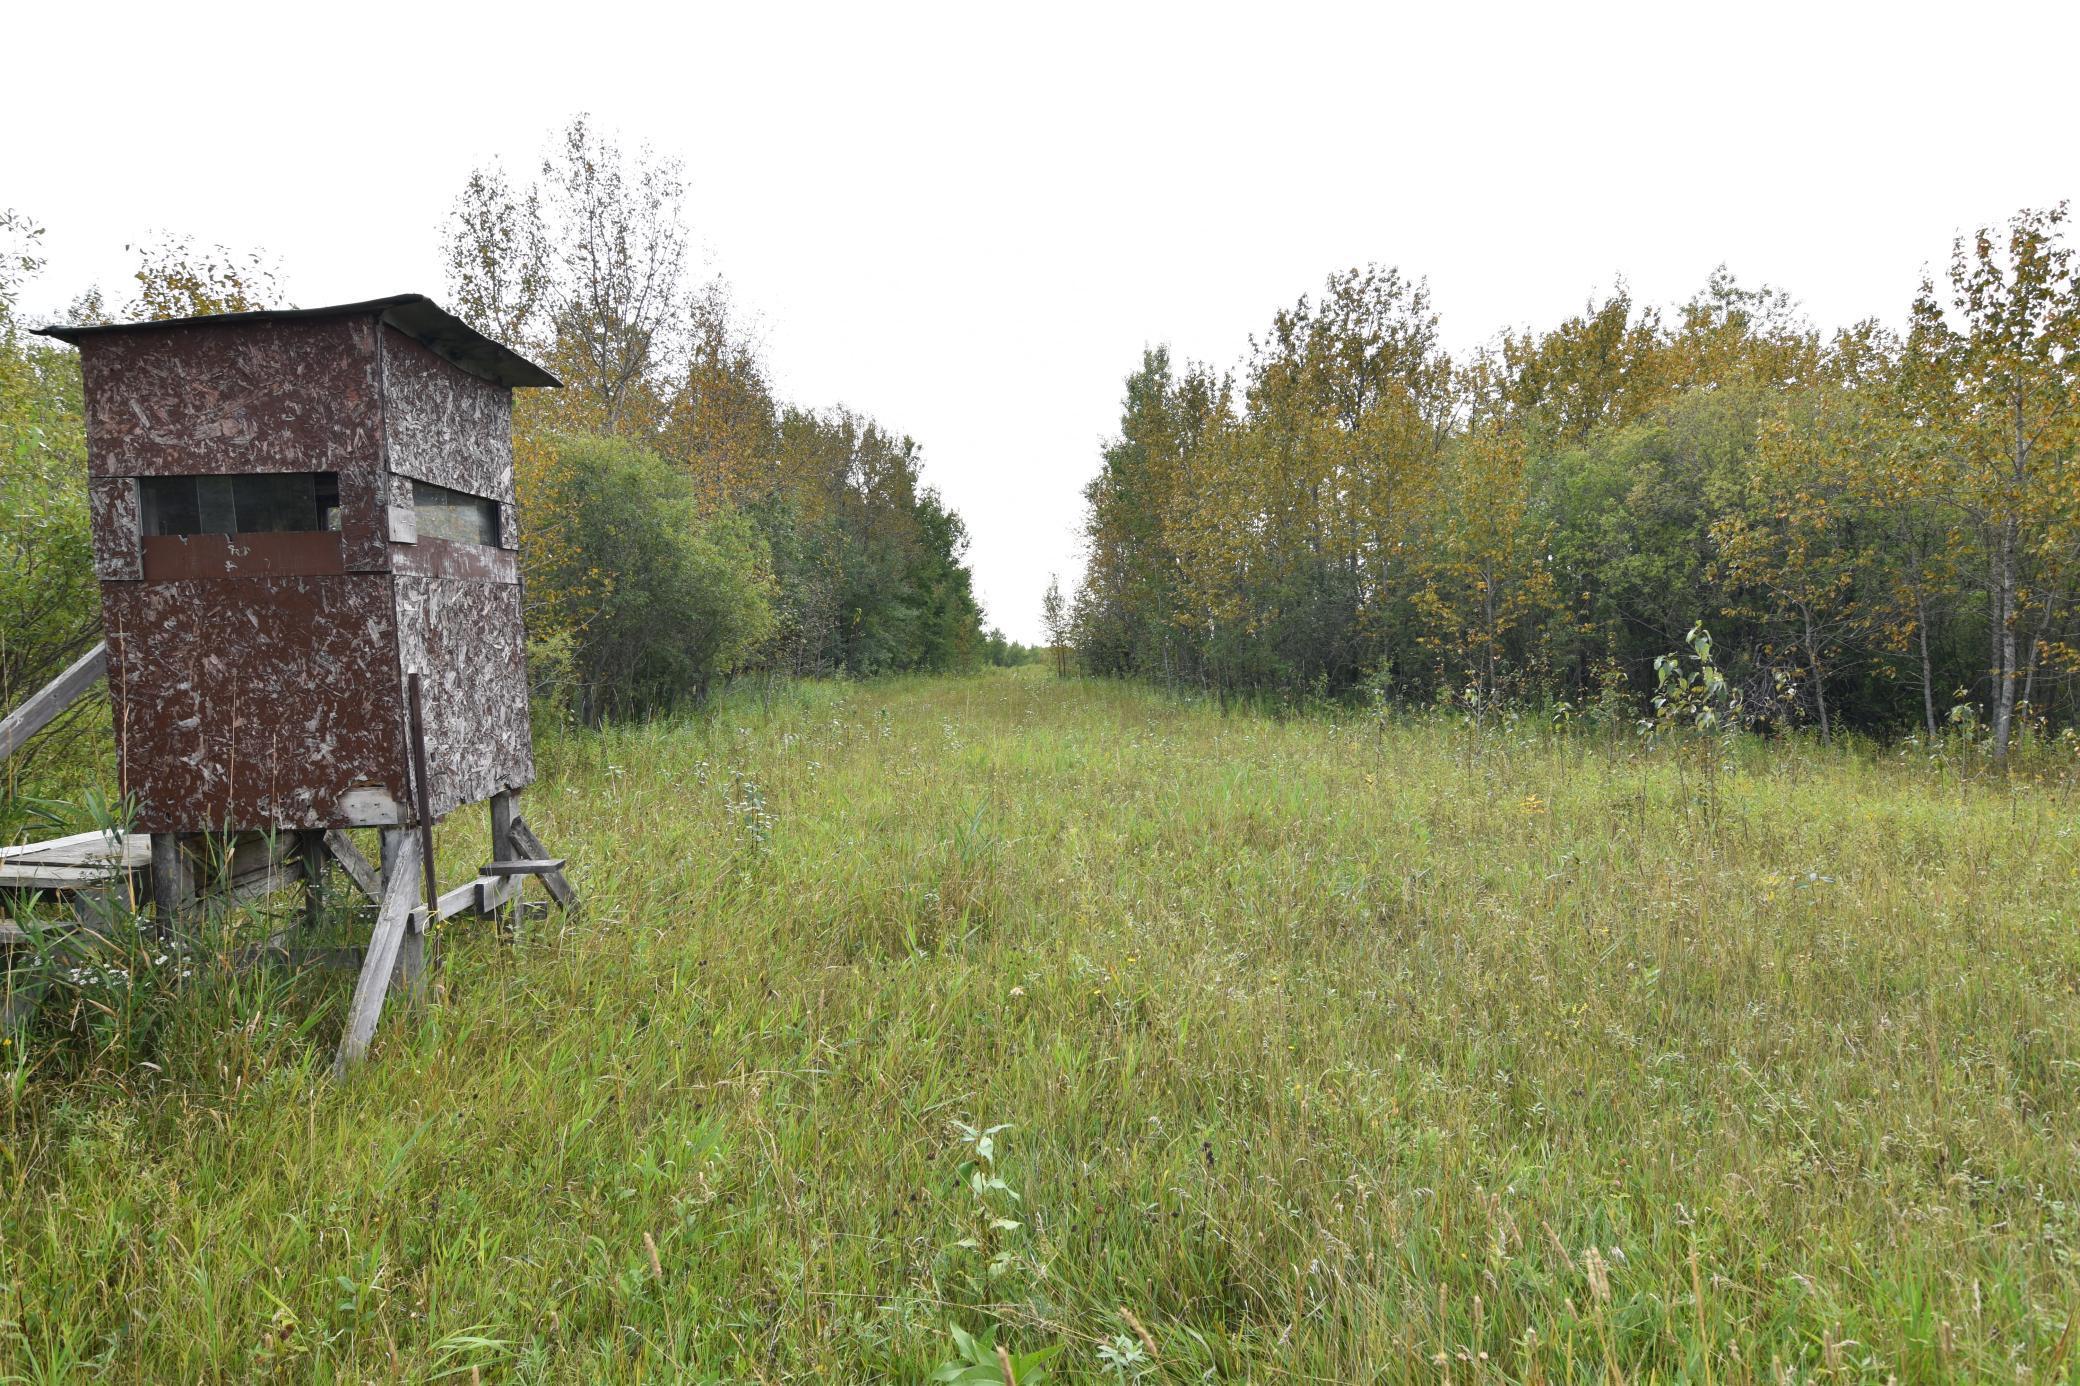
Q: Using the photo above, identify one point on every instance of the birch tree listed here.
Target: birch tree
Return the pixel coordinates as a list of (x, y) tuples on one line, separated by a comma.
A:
[(1995, 382)]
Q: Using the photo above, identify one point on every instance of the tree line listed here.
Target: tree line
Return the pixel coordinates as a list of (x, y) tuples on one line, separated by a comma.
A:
[(680, 524), (1880, 527)]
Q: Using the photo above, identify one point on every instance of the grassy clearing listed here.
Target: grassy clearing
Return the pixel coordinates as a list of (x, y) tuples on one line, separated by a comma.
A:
[(1328, 1051)]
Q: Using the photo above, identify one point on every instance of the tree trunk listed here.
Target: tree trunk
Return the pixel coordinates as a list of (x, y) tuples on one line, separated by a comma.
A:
[(2036, 648), (1928, 678), (2004, 660), (1488, 633), (2007, 541), (1819, 678)]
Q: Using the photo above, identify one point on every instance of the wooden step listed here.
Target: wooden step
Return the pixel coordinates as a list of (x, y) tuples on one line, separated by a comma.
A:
[(527, 866)]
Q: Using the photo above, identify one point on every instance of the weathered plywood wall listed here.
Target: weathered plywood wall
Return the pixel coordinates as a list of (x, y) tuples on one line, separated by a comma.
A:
[(257, 701), (465, 639), (445, 425), (298, 396)]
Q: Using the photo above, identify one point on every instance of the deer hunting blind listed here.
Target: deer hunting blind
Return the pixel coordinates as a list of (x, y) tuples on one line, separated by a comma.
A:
[(304, 532)]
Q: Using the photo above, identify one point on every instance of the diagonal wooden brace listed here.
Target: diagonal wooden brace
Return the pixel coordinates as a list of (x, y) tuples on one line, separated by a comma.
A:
[(559, 887), (350, 860), (46, 703), (400, 896)]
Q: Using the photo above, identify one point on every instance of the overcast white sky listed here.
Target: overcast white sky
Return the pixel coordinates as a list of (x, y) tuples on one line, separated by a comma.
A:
[(968, 220)]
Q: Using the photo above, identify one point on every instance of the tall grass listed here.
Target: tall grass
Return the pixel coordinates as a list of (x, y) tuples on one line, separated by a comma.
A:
[(1324, 1050)]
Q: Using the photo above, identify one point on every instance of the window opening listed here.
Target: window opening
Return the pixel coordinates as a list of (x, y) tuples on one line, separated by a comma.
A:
[(247, 503), (454, 515)]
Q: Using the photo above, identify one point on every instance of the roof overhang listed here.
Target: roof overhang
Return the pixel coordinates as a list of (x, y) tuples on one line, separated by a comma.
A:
[(415, 315)]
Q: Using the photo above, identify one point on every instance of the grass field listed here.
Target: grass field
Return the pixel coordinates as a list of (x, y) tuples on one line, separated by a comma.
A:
[(1324, 1050)]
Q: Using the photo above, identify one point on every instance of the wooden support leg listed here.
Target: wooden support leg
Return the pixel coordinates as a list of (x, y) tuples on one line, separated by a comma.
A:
[(502, 824), (411, 949), (53, 698), (393, 918), (312, 856), (171, 887), (20, 991), (411, 958), (506, 920)]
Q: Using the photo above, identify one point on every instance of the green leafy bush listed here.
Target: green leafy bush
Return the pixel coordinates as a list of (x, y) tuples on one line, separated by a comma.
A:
[(50, 612), (662, 599)]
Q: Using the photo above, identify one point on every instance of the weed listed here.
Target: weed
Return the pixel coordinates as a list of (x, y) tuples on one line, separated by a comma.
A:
[(982, 1361)]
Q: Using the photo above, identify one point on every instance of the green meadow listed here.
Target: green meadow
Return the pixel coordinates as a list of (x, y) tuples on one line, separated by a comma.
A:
[(1189, 1045)]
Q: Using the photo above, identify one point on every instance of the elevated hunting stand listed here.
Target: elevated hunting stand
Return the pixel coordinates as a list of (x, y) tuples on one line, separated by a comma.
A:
[(305, 536)]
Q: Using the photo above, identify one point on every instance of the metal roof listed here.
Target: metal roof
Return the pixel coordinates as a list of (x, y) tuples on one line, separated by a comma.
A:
[(415, 315)]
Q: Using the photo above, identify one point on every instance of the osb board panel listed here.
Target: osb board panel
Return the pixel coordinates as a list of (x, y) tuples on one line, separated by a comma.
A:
[(465, 639), (263, 554), (245, 397), (434, 557), (443, 424), (256, 702), (112, 511), (364, 519)]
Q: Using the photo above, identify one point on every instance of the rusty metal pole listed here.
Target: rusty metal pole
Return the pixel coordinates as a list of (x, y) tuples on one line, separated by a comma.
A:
[(423, 794)]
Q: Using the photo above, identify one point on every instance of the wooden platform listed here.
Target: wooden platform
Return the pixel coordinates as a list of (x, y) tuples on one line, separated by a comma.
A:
[(70, 866), (88, 870), (99, 850), (99, 878), (72, 870)]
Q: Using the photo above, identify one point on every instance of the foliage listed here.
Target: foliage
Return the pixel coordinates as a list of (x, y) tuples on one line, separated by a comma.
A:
[(21, 259), (1055, 620), (1867, 523), (50, 610), (1696, 709), (983, 1362), (177, 279), (673, 599), (1001, 652), (994, 1236), (586, 266), (1995, 382), (1697, 700)]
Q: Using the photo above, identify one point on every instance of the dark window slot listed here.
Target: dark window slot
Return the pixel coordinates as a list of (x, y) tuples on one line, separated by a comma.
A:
[(251, 503)]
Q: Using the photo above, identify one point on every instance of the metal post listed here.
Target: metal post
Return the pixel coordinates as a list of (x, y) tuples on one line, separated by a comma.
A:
[(425, 795)]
